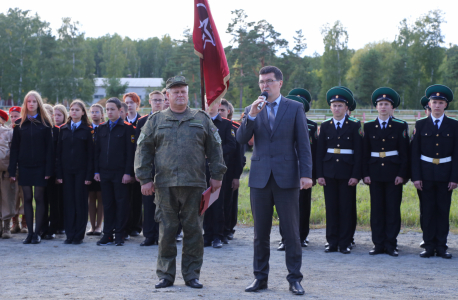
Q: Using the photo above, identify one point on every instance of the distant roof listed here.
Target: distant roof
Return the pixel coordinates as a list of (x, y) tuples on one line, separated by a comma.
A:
[(135, 82)]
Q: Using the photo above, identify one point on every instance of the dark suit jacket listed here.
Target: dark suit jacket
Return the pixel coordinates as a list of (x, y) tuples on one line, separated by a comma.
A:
[(283, 151), (394, 137), (435, 144), (313, 137), (340, 166)]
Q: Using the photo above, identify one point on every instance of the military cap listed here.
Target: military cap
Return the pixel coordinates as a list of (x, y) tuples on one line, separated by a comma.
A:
[(353, 107), (303, 93), (339, 94), (345, 88), (301, 100), (439, 92), (425, 103), (174, 81), (387, 94)]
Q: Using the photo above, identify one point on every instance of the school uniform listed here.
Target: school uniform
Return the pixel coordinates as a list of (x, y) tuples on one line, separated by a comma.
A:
[(95, 185)]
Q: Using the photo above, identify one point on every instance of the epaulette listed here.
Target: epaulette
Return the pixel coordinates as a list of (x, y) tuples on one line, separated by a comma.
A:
[(398, 120), (127, 123), (422, 118), (236, 123), (226, 119), (143, 117), (205, 113), (452, 118), (90, 126), (61, 125), (369, 121), (353, 119), (102, 123), (311, 125), (328, 120)]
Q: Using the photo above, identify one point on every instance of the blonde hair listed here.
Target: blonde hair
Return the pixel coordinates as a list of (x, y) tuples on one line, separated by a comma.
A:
[(156, 92), (101, 109), (62, 109), (45, 118)]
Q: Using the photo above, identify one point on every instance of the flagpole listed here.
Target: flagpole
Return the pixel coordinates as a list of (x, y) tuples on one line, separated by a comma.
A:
[(202, 87)]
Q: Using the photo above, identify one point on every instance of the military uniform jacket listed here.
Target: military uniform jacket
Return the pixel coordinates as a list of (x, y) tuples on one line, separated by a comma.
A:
[(340, 166), (179, 149), (235, 162), (140, 123), (115, 149), (135, 123), (313, 137), (75, 150), (32, 146), (393, 138), (227, 139), (435, 144)]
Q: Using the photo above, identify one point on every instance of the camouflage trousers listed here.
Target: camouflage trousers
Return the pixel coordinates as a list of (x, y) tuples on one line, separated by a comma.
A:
[(185, 202)]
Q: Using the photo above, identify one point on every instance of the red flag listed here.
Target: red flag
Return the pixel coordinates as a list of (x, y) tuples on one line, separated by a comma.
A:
[(208, 47)]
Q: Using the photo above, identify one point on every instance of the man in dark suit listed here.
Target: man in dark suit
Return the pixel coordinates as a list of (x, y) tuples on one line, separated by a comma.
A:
[(281, 165), (385, 164), (338, 169), (435, 169)]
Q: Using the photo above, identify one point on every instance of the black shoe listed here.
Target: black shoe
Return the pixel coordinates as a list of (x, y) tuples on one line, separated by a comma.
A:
[(444, 255), (77, 242), (179, 237), (98, 233), (194, 283), (392, 253), (105, 240), (225, 240), (256, 285), (326, 245), (68, 241), (60, 231), (376, 251), (28, 239), (330, 249), (345, 250), (207, 243), (49, 236), (304, 244), (120, 243), (281, 247), (134, 233), (427, 254), (353, 244), (230, 236), (163, 283), (422, 244), (296, 288), (217, 243), (36, 239), (307, 240), (149, 242)]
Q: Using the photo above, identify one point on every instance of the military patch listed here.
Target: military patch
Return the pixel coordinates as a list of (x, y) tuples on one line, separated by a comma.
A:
[(195, 121), (232, 132), (361, 132), (311, 141), (132, 139), (217, 137), (404, 133), (92, 131)]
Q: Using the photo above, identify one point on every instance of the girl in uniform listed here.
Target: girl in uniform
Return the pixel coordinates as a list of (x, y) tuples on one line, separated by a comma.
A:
[(32, 153)]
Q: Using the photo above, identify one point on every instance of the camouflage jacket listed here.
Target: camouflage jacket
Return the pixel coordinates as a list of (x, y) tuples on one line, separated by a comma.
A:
[(178, 149)]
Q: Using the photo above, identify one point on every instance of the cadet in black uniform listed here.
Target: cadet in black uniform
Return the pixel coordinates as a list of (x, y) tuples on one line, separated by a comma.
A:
[(338, 168), (435, 169), (150, 226), (75, 169), (214, 216), (114, 157), (385, 167), (32, 152)]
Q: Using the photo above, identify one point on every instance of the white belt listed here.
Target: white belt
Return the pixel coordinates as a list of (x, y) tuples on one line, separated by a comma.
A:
[(384, 154), (436, 161), (340, 151)]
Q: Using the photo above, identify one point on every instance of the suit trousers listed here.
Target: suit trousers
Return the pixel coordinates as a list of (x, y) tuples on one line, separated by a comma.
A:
[(214, 217), (228, 199), (75, 204), (305, 205), (338, 196), (115, 202), (135, 208), (150, 226), (286, 202), (435, 201), (54, 201), (386, 200)]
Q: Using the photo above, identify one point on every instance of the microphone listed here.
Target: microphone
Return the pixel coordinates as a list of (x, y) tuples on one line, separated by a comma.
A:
[(264, 95)]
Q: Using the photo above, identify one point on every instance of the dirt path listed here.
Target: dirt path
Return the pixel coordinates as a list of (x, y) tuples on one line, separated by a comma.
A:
[(53, 270)]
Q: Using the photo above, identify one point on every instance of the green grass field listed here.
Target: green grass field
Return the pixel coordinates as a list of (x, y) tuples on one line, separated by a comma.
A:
[(410, 211)]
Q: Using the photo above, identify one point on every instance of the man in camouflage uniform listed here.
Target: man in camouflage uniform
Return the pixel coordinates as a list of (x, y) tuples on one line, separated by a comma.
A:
[(178, 140)]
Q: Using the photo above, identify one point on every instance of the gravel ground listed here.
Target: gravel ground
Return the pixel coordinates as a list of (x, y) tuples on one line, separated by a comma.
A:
[(53, 270)]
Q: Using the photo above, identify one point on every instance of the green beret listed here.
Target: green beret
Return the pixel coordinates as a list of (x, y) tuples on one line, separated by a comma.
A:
[(439, 92), (340, 94), (387, 94), (301, 100), (303, 93)]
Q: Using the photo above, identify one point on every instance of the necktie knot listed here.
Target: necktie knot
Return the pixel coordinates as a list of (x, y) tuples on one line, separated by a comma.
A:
[(383, 125), (73, 127), (437, 121)]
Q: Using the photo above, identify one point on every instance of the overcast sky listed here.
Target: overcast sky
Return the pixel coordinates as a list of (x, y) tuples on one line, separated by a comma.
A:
[(366, 21)]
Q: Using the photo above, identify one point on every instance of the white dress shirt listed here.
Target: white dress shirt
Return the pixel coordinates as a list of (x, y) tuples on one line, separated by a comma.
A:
[(340, 122), (441, 118), (278, 100)]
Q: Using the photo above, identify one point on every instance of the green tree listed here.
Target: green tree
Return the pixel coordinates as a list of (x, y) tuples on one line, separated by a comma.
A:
[(114, 88)]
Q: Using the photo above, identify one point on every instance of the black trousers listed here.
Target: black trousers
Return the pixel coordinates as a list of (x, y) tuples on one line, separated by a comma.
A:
[(234, 210), (115, 203), (150, 226), (305, 205), (75, 204), (355, 216), (54, 202), (419, 201), (228, 199), (338, 196), (435, 202), (135, 208), (214, 217), (386, 200), (286, 202)]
